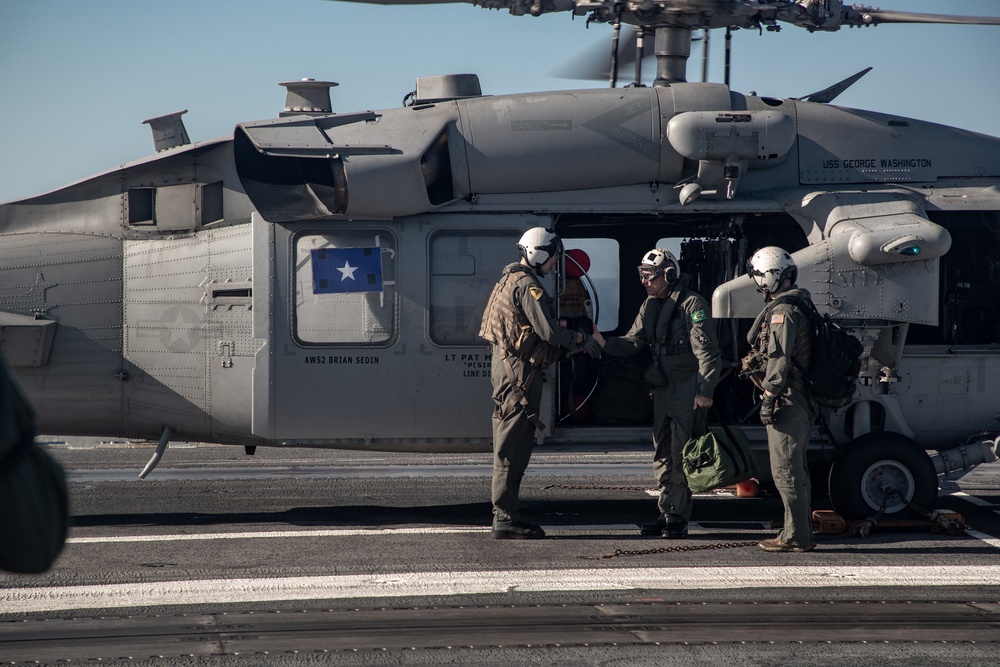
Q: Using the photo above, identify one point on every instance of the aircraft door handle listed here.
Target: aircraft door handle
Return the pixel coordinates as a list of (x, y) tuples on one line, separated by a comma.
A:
[(225, 351)]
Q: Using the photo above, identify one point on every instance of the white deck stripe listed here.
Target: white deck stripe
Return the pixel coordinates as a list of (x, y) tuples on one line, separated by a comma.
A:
[(419, 584), (627, 528), (989, 539), (263, 535), (972, 499), (343, 532)]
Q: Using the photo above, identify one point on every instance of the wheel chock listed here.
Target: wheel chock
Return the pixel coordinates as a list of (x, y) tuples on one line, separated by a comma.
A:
[(828, 522)]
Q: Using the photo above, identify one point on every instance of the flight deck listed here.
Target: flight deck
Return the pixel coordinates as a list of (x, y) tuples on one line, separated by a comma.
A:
[(292, 556)]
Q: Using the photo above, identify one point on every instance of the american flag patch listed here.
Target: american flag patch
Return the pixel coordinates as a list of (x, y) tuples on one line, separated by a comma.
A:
[(778, 318)]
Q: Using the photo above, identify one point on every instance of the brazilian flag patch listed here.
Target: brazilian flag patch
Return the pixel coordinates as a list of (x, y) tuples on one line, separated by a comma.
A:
[(698, 316)]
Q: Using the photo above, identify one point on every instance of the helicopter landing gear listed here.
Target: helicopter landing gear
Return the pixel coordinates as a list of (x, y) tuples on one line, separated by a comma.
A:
[(875, 462)]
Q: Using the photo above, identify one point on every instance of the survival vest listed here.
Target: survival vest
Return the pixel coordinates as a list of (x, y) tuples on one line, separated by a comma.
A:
[(506, 326), (502, 321)]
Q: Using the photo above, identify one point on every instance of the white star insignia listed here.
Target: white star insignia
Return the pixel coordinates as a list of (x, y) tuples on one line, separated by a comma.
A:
[(348, 271)]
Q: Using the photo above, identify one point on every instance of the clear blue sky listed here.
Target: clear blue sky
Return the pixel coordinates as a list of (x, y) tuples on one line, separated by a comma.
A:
[(78, 78)]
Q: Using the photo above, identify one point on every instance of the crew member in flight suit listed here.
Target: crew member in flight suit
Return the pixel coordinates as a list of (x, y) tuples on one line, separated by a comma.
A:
[(779, 333), (674, 322), (520, 323)]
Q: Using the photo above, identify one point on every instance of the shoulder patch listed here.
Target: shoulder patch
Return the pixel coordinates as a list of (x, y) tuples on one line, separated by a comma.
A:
[(698, 316), (537, 292), (777, 318)]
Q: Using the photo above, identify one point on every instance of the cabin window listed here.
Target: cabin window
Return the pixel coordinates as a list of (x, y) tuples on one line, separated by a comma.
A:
[(464, 267), (602, 282), (211, 203), (172, 208), (345, 288), (141, 206)]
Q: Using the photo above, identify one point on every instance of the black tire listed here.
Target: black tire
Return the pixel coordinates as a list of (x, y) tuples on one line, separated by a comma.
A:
[(867, 463)]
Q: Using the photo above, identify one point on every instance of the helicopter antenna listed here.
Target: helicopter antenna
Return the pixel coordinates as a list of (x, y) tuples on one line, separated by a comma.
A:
[(827, 95)]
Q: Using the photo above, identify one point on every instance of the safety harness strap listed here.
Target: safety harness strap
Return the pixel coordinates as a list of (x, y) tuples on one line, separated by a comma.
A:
[(517, 389)]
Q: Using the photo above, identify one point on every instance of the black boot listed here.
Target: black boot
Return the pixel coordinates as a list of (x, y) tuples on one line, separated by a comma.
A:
[(656, 528), (516, 530), (675, 529)]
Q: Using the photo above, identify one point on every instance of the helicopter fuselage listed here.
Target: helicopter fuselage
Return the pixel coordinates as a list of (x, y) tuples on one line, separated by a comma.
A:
[(186, 289)]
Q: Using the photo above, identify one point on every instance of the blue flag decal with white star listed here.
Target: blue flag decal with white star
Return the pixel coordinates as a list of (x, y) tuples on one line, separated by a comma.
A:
[(338, 270)]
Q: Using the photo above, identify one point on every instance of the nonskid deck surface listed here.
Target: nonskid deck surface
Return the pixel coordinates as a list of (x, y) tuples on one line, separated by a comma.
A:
[(298, 557), (487, 629)]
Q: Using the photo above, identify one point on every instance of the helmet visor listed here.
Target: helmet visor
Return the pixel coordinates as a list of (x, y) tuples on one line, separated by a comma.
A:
[(554, 248), (649, 274), (765, 280)]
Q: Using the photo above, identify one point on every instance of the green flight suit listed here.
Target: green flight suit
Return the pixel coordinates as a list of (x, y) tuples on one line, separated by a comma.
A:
[(680, 333), (786, 332), (513, 428)]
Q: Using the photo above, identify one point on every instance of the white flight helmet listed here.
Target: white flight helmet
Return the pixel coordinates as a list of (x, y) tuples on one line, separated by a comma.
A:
[(769, 267), (660, 262), (538, 245)]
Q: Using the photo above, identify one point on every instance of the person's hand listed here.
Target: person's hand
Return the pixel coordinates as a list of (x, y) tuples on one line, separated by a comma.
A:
[(767, 410), (599, 337), (702, 402), (591, 346)]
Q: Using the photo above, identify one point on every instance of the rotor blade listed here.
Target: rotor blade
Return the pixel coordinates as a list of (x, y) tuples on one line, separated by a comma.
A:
[(408, 2), (827, 95), (594, 64), (514, 6), (724, 13), (889, 16)]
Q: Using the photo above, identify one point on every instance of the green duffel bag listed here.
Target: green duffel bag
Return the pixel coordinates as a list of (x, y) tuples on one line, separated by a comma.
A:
[(35, 516), (720, 457)]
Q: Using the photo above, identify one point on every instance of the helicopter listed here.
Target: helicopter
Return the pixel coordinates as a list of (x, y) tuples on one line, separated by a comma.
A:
[(318, 279)]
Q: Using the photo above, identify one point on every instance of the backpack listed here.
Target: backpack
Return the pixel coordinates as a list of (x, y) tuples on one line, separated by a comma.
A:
[(835, 362)]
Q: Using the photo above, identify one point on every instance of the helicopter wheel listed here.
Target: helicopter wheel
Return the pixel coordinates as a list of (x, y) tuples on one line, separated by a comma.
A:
[(871, 463)]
